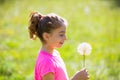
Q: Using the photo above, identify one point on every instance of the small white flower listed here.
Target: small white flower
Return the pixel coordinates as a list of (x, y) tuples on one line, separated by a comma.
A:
[(86, 10), (84, 48)]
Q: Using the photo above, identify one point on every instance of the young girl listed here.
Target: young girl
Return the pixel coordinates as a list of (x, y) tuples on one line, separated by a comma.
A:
[(51, 30)]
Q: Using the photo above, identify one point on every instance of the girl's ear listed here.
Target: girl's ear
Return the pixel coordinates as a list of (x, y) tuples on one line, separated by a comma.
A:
[(46, 36)]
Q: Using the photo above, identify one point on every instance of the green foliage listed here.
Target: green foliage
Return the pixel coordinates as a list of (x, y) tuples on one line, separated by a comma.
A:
[(95, 22)]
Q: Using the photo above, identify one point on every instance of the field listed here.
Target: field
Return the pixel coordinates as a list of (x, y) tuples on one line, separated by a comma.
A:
[(94, 21)]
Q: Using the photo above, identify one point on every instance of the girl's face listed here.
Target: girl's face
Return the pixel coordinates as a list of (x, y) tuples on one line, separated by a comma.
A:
[(57, 37)]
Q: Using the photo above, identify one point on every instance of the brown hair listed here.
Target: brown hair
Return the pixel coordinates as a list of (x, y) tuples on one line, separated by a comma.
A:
[(44, 23)]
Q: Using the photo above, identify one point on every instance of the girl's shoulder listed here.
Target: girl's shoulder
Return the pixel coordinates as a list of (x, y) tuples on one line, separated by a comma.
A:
[(45, 60)]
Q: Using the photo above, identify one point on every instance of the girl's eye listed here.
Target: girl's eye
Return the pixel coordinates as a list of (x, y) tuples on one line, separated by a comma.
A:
[(61, 35)]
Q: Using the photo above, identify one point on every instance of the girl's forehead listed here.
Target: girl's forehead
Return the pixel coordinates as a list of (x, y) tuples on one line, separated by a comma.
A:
[(59, 30)]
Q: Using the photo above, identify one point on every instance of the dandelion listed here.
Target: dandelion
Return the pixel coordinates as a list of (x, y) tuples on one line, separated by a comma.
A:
[(84, 49), (87, 10)]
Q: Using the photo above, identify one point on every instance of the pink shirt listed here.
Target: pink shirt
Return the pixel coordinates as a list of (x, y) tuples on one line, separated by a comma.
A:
[(47, 62)]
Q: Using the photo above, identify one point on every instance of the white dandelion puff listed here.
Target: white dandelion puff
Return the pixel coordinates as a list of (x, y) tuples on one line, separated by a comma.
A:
[(84, 49), (86, 10)]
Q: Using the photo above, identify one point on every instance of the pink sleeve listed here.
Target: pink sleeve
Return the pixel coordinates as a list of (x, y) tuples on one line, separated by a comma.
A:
[(46, 67)]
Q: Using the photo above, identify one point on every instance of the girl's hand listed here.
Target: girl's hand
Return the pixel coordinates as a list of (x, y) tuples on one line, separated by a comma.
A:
[(81, 75)]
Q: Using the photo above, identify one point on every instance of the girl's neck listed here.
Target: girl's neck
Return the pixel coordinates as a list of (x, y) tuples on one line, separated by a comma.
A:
[(47, 49)]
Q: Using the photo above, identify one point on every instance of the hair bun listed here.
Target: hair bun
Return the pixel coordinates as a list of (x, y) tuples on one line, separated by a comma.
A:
[(34, 20), (35, 17)]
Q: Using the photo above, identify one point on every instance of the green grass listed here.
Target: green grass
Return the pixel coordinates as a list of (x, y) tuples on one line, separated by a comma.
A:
[(99, 26)]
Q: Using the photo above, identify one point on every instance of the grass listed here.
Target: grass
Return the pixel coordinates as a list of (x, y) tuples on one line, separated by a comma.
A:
[(95, 21)]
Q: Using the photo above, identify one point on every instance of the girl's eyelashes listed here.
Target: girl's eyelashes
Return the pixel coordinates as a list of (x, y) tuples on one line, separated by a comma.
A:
[(62, 35)]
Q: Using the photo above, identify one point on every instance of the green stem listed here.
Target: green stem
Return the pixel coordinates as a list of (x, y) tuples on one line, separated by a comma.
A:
[(83, 60)]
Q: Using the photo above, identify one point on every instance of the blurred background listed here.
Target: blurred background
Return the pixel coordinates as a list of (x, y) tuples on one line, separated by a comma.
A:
[(94, 21)]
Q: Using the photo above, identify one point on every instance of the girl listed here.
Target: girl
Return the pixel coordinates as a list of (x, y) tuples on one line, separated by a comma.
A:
[(51, 30)]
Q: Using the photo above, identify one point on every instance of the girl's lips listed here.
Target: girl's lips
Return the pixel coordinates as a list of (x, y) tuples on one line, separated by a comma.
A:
[(61, 42)]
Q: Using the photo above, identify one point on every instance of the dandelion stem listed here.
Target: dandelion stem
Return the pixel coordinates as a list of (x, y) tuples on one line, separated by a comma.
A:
[(83, 60)]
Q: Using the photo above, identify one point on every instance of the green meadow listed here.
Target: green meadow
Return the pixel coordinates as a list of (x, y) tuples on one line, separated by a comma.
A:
[(94, 21)]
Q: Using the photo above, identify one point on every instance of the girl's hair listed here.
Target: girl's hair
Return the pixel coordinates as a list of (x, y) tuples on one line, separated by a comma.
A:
[(44, 23)]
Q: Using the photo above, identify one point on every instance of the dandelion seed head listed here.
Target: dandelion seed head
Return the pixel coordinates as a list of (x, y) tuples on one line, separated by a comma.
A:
[(86, 10), (84, 48)]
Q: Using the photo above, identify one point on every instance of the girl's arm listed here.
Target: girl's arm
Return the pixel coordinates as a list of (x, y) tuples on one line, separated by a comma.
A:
[(80, 75), (49, 76)]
